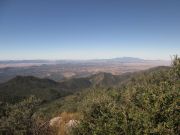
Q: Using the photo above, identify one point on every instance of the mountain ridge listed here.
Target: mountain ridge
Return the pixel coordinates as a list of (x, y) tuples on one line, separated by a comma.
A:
[(47, 89)]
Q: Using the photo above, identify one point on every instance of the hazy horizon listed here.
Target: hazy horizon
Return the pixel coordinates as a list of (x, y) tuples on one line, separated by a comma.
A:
[(84, 59), (86, 67), (93, 29)]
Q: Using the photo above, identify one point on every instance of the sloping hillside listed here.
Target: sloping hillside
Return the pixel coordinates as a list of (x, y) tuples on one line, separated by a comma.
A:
[(133, 103), (22, 87), (148, 103), (98, 82)]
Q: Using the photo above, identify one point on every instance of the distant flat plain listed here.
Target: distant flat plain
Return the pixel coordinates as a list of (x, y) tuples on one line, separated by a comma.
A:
[(64, 69)]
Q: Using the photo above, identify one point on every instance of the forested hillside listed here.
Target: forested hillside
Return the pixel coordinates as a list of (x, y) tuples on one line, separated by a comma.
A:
[(140, 103)]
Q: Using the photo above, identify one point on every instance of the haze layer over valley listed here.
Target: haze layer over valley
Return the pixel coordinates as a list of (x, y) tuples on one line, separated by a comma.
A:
[(59, 70)]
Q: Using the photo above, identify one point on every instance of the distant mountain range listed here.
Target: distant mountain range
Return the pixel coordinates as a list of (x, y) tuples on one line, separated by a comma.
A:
[(127, 59), (120, 59)]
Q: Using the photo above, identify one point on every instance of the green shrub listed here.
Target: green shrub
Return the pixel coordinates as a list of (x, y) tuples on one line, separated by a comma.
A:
[(17, 119), (146, 105)]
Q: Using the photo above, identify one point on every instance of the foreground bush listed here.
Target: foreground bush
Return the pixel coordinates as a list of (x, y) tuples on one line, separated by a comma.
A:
[(17, 119), (148, 104)]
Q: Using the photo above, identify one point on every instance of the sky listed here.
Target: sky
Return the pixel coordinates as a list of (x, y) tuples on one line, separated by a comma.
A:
[(89, 29)]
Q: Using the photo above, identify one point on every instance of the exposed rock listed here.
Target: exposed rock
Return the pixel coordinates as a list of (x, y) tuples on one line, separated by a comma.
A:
[(64, 123), (72, 123), (55, 121)]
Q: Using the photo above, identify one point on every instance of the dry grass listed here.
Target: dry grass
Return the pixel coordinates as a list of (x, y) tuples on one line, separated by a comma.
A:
[(61, 129)]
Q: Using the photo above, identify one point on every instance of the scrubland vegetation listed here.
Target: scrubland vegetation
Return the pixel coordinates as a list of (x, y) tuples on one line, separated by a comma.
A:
[(144, 103)]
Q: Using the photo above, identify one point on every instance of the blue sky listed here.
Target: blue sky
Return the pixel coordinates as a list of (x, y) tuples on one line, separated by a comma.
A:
[(89, 29)]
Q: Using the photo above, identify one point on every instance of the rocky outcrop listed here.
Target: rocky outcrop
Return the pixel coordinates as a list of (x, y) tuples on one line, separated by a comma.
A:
[(63, 125), (55, 121)]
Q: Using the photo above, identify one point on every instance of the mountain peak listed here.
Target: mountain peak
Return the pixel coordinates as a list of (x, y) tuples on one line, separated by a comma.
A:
[(128, 59)]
